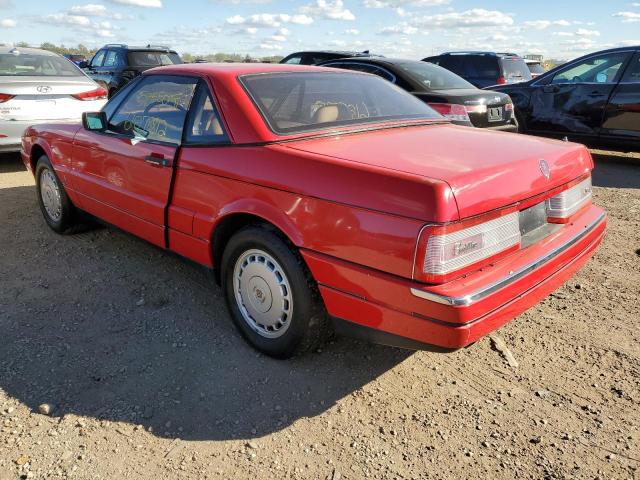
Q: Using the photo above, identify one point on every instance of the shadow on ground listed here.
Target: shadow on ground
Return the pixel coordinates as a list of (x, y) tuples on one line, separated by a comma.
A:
[(616, 170), (104, 325)]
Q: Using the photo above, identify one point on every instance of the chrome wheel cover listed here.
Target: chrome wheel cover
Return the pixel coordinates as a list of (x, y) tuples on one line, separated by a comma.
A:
[(50, 194), (263, 293)]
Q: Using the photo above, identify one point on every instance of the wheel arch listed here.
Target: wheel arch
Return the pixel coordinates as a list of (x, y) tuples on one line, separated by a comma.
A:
[(37, 150), (233, 219)]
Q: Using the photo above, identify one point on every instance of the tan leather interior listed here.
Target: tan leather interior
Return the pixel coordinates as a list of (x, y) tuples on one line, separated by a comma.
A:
[(328, 113), (213, 126)]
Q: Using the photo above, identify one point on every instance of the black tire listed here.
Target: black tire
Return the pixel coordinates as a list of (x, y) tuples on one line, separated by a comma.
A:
[(519, 121), (68, 214), (309, 325)]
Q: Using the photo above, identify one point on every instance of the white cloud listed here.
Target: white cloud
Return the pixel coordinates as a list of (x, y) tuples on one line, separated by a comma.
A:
[(7, 23), (67, 19), (352, 31), (337, 43), (476, 17), (251, 30), (583, 32), (90, 9), (563, 34), (402, 28), (332, 10), (543, 24), (141, 3), (104, 33), (628, 17), (404, 3), (265, 20)]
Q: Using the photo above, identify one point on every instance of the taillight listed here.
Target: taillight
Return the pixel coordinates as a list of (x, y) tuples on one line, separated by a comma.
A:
[(476, 108), (5, 97), (448, 251), (501, 80), (562, 206), (97, 94), (508, 107), (451, 111)]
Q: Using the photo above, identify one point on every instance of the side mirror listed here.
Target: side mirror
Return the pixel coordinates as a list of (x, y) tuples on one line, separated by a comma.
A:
[(83, 64), (94, 121)]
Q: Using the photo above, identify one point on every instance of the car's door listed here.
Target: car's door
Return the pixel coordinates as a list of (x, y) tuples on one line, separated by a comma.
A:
[(572, 101), (109, 68), (622, 115), (124, 174), (93, 70)]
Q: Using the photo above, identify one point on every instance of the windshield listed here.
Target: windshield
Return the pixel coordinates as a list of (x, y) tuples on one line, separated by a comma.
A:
[(33, 65), (153, 59), (433, 77), (299, 102), (515, 67)]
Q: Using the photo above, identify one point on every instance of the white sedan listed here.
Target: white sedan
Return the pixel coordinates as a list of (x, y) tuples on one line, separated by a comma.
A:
[(37, 86)]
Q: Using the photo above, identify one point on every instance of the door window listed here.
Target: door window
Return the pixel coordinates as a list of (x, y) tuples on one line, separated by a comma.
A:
[(155, 110), (205, 124), (98, 58), (599, 69), (113, 59), (632, 75)]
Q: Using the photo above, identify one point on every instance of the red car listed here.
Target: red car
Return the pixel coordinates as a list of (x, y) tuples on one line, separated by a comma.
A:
[(326, 198)]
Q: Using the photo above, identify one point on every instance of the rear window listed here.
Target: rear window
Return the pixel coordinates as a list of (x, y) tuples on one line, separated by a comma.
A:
[(299, 102), (472, 66), (515, 67), (535, 68), (146, 58), (32, 65), (433, 77)]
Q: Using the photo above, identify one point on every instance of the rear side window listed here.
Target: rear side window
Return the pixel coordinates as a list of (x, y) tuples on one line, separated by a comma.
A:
[(299, 102), (632, 75), (113, 59), (597, 69), (365, 68), (516, 68), (294, 60), (205, 124), (535, 68), (152, 59)]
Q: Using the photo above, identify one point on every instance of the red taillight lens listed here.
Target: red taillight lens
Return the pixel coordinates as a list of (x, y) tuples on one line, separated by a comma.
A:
[(502, 80), (508, 107), (97, 94), (5, 97), (449, 251), (451, 111)]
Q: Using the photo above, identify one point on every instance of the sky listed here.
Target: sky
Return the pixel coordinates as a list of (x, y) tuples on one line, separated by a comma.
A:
[(401, 28)]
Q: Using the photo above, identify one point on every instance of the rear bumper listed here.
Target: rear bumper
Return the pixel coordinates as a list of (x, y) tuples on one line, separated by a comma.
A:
[(458, 313)]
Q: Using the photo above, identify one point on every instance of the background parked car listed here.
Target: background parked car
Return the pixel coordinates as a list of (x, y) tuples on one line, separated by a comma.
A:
[(79, 60), (116, 64), (594, 99), (38, 86), (484, 69), (316, 57), (446, 92), (535, 67)]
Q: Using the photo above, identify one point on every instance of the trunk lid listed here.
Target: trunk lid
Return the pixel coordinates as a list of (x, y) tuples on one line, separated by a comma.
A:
[(43, 98), (486, 170)]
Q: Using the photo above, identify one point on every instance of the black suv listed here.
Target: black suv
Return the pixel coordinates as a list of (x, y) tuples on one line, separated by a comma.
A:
[(115, 64), (484, 69), (319, 56)]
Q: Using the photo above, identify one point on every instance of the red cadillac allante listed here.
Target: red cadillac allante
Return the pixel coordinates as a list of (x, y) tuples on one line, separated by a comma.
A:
[(326, 198)]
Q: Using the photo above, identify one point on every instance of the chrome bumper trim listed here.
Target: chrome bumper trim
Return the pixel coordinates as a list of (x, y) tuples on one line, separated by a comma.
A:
[(466, 300)]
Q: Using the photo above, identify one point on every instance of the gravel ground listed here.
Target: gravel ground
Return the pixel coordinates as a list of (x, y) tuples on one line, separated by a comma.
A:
[(145, 377)]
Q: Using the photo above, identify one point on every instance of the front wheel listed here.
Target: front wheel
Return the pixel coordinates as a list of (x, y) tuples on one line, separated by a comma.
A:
[(57, 209), (272, 298)]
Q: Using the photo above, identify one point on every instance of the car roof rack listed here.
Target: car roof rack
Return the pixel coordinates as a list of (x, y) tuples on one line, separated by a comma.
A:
[(123, 45), (469, 52), (507, 54), (149, 45)]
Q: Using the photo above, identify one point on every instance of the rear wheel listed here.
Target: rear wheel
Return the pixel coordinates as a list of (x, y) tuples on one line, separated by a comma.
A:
[(57, 209), (272, 298)]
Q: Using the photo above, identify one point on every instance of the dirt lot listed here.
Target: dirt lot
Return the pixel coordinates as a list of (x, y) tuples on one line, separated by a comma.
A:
[(134, 350)]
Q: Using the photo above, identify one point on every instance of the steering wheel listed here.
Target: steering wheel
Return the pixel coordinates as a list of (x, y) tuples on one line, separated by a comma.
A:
[(577, 79), (154, 104)]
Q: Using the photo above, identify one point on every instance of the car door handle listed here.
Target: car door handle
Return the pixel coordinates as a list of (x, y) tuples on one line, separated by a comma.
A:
[(596, 94), (156, 160)]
